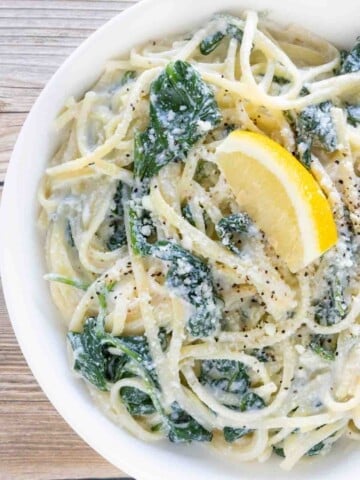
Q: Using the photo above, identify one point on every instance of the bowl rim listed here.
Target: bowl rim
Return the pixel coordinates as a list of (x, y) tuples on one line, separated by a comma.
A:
[(136, 469)]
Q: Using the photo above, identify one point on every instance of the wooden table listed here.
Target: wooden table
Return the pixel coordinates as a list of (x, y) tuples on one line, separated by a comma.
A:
[(35, 37)]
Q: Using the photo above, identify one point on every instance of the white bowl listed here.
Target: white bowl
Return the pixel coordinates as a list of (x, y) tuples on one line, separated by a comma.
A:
[(36, 322)]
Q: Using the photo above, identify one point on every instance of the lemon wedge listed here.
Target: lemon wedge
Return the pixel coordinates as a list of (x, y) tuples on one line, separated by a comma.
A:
[(280, 195)]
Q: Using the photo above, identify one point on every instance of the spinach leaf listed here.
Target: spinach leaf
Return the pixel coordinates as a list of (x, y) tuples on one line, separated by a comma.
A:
[(332, 308), (279, 451), (115, 367), (190, 278), (265, 354), (182, 428), (118, 236), (280, 80), (231, 229), (232, 434), (88, 351), (98, 366), (228, 128), (212, 41), (127, 77), (136, 401), (186, 213), (303, 92), (228, 375), (141, 228), (208, 224), (182, 110), (315, 127), (353, 114), (68, 235), (95, 362), (315, 450), (343, 55), (207, 174), (73, 282), (251, 401), (351, 61), (139, 345), (321, 345)]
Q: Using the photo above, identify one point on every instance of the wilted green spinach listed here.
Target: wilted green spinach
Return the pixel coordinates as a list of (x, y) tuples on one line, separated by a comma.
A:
[(182, 110), (315, 127)]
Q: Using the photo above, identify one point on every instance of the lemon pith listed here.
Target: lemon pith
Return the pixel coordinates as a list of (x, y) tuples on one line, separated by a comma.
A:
[(281, 196)]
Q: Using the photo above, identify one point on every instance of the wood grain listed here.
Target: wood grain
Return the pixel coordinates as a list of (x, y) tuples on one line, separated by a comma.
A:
[(35, 37)]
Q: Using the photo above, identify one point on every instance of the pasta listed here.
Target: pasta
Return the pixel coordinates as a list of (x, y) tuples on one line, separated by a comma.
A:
[(177, 332)]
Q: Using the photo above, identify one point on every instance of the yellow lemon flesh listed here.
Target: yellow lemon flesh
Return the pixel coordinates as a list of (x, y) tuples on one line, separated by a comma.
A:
[(280, 195)]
